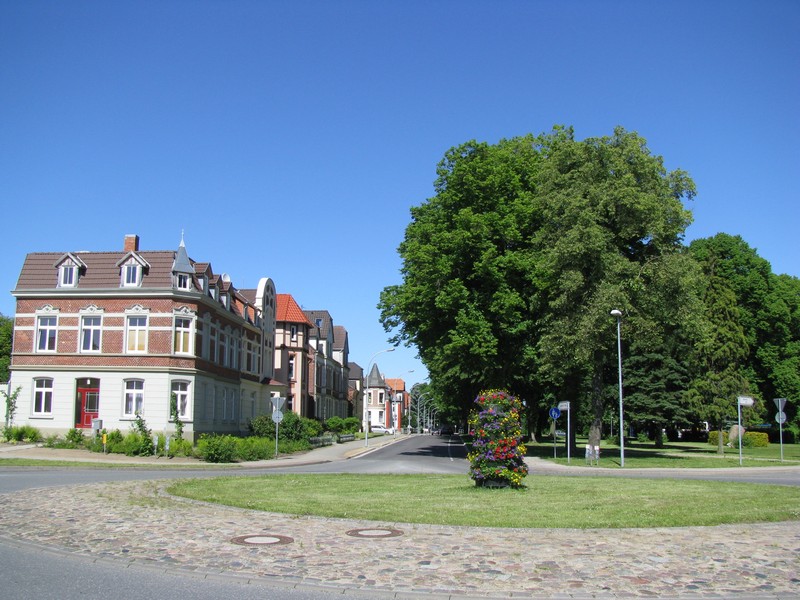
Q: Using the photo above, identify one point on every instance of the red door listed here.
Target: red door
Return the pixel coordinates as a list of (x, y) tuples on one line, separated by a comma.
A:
[(88, 406)]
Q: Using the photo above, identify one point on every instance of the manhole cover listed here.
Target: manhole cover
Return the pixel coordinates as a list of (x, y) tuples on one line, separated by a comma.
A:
[(262, 539), (376, 533)]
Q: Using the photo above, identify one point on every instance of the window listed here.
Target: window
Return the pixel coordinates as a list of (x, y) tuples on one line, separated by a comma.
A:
[(134, 398), (293, 334), (130, 274), (90, 334), (42, 396), (68, 276), (181, 391), (46, 336), (223, 349), (183, 336), (212, 345), (291, 367), (137, 334), (182, 281)]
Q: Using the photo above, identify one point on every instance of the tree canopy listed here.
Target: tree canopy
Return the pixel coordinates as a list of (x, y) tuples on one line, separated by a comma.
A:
[(511, 269)]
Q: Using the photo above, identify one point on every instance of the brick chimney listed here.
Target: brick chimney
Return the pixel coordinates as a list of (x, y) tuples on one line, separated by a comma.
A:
[(131, 243)]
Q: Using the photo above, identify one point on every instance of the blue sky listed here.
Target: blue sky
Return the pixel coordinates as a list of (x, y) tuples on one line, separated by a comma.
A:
[(290, 139)]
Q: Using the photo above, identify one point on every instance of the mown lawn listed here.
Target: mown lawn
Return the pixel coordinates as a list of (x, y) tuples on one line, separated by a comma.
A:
[(547, 501)]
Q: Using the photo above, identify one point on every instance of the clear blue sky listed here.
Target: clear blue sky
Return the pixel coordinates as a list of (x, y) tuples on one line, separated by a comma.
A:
[(290, 139)]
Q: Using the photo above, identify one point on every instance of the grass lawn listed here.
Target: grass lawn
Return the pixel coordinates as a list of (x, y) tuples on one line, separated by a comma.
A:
[(694, 455), (547, 502)]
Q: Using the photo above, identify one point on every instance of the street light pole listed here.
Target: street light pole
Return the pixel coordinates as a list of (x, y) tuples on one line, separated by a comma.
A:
[(618, 314), (366, 387)]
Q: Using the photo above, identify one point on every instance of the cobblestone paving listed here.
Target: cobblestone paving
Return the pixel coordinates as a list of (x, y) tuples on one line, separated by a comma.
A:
[(138, 522)]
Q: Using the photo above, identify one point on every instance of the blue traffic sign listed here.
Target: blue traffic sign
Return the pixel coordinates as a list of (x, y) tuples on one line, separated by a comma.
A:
[(554, 413)]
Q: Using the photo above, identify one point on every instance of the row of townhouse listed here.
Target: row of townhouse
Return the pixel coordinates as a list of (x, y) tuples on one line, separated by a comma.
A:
[(100, 337)]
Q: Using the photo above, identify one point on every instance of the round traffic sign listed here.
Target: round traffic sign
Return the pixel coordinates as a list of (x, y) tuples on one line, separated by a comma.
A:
[(554, 413), (277, 416), (781, 417)]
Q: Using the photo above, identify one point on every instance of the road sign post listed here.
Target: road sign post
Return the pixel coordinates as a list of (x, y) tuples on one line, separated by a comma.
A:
[(277, 417), (564, 406), (554, 414), (780, 403)]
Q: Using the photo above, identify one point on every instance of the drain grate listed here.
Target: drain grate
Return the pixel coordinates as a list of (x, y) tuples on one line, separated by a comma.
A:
[(262, 539), (375, 533)]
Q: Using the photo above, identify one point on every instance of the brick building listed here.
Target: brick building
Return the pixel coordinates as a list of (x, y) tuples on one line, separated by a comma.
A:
[(107, 335)]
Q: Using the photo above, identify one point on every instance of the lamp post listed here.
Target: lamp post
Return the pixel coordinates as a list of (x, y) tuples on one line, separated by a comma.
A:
[(618, 315), (366, 387)]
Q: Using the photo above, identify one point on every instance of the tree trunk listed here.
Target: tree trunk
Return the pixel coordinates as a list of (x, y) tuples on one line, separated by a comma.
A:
[(720, 445), (596, 427)]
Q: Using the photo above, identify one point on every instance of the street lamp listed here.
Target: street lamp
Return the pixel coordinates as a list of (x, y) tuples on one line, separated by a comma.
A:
[(366, 386), (618, 315)]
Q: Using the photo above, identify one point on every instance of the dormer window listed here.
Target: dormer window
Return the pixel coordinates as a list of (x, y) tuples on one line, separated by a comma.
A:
[(68, 276), (182, 281), (69, 270), (131, 270), (131, 274)]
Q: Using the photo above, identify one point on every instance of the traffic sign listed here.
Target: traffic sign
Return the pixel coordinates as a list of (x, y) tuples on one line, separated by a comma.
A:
[(780, 403), (781, 417), (277, 416), (277, 402), (555, 413), (564, 405), (745, 401)]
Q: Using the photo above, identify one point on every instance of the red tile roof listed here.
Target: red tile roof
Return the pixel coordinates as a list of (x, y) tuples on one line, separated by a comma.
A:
[(288, 311)]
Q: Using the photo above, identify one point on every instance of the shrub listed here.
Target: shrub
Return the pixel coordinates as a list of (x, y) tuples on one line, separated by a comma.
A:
[(311, 428), (713, 437), (497, 456), (255, 448), (351, 425), (755, 439), (22, 433), (335, 425), (263, 426), (217, 448), (75, 438)]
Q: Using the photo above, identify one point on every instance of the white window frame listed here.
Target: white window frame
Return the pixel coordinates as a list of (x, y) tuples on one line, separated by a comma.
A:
[(293, 333), (93, 330), (50, 330), (131, 274), (223, 348), (290, 367), (182, 336), (134, 394), (183, 397), (42, 396), (138, 331), (183, 281), (68, 275)]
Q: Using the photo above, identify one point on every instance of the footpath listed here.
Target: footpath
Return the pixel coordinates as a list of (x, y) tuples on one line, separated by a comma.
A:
[(137, 524)]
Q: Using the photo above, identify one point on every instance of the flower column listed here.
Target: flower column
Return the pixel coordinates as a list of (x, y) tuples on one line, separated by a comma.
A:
[(497, 456)]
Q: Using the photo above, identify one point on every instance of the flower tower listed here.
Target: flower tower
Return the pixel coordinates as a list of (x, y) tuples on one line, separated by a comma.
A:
[(497, 456)]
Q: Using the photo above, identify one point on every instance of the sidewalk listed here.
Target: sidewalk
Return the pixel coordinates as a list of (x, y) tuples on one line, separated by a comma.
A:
[(138, 523), (318, 455)]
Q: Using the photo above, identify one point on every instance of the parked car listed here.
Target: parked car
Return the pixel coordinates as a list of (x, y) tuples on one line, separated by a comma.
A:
[(447, 430), (381, 429)]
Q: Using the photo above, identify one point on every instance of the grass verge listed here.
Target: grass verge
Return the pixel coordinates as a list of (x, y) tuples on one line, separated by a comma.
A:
[(547, 502)]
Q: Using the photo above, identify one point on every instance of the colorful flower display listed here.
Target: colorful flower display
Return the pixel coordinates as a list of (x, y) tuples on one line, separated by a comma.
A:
[(497, 456)]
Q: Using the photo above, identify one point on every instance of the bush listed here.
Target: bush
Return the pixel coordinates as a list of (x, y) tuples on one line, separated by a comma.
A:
[(262, 426), (335, 425), (351, 425), (217, 448), (755, 439), (22, 433), (74, 438), (713, 438), (255, 448)]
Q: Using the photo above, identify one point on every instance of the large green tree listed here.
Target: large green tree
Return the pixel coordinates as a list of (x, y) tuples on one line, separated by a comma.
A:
[(511, 269)]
